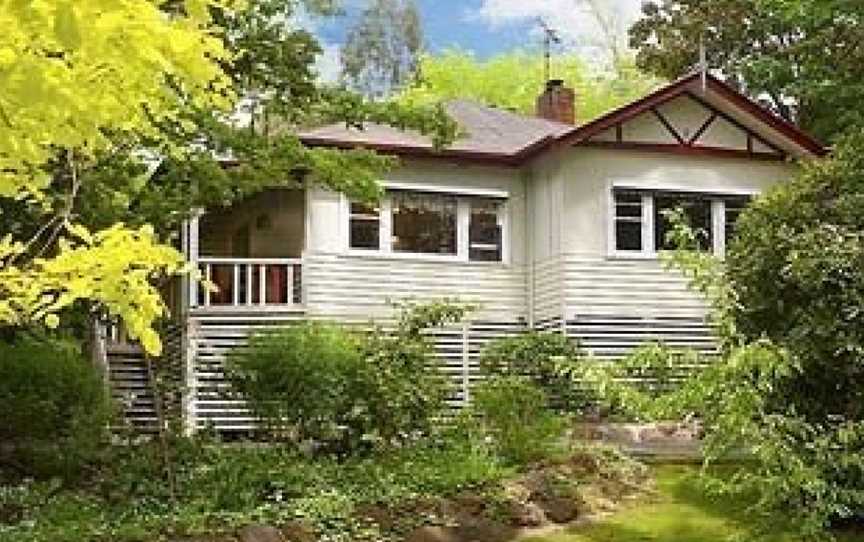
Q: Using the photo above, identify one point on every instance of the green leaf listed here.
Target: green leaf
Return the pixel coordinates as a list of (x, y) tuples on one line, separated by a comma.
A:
[(66, 27)]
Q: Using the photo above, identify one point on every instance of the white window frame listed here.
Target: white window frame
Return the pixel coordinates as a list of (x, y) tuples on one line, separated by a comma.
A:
[(463, 221), (649, 251)]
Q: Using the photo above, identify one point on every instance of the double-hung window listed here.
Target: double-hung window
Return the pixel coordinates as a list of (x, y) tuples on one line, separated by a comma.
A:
[(456, 226), (365, 226), (641, 226)]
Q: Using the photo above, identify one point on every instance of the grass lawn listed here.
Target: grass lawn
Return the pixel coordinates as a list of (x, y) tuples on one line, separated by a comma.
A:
[(679, 513)]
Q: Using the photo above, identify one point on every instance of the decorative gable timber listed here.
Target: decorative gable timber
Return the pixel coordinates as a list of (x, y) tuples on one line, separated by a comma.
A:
[(690, 117), (687, 125)]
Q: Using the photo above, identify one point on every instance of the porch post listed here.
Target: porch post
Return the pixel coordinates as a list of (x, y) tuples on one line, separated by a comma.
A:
[(190, 388), (192, 256)]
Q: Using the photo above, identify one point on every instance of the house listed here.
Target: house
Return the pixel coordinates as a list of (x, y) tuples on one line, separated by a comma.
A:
[(541, 222)]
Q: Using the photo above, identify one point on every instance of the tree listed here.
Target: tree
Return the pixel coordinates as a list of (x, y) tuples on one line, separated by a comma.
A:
[(90, 90), (803, 57), (459, 74), (382, 50), (797, 272), (74, 77)]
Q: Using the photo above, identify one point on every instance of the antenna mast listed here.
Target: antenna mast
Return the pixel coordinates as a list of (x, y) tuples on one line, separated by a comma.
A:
[(703, 63), (550, 37)]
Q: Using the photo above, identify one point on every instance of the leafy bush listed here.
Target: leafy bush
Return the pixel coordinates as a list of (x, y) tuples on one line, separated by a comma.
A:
[(344, 389), (797, 272), (545, 358), (515, 414), (55, 409), (652, 382), (303, 381)]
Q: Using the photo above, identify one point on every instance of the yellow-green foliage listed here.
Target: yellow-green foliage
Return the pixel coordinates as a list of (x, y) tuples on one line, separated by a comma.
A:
[(71, 71), (75, 77), (513, 81)]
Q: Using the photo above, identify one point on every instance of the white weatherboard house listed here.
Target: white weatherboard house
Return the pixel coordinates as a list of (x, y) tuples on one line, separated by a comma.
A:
[(540, 222)]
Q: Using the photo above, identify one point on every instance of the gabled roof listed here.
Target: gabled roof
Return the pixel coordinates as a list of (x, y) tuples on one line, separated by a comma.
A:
[(715, 92), (503, 137), (489, 133)]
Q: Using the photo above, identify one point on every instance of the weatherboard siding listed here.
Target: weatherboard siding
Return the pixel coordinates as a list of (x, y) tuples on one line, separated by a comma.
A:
[(351, 285)]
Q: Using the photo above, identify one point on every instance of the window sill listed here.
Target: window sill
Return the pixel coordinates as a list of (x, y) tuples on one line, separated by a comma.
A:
[(633, 256), (642, 256), (426, 258)]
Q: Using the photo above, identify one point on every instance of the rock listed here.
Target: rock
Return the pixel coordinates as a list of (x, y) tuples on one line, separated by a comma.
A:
[(298, 532), (469, 505), (559, 509), (524, 514), (433, 533), (375, 512), (480, 529), (260, 533)]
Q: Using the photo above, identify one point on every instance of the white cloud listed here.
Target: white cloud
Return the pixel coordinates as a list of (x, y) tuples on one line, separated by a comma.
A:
[(328, 64), (575, 21)]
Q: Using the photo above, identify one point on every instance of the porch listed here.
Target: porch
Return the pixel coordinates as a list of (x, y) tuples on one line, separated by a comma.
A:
[(249, 255)]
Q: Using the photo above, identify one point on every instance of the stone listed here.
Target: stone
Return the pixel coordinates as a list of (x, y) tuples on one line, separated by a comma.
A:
[(260, 533), (433, 533), (559, 509), (524, 514), (480, 529), (469, 505), (296, 531)]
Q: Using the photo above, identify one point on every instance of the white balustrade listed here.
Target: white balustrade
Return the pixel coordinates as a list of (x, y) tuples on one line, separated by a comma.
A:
[(250, 282)]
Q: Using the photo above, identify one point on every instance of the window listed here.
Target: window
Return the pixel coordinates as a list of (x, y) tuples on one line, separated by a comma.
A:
[(628, 221), (462, 227), (697, 211), (485, 230), (424, 223), (640, 224), (733, 209), (365, 230)]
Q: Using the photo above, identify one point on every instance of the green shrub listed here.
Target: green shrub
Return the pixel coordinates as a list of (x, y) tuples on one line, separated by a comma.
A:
[(547, 359), (55, 409), (797, 272), (515, 414), (303, 381), (343, 389)]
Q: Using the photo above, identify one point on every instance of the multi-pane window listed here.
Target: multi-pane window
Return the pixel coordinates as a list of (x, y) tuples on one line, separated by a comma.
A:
[(697, 214), (365, 227), (628, 221), (733, 209), (485, 237), (429, 223), (641, 222), (424, 223)]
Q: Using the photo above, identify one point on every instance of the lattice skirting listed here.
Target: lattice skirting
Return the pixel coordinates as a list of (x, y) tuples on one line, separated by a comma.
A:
[(199, 351)]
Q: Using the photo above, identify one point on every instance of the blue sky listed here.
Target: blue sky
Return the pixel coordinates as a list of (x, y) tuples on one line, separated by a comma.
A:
[(448, 23), (487, 27)]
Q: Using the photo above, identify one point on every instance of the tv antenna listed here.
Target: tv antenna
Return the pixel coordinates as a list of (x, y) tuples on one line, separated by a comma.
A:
[(550, 38)]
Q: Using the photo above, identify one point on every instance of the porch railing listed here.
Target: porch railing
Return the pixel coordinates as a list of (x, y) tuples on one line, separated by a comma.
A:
[(250, 282)]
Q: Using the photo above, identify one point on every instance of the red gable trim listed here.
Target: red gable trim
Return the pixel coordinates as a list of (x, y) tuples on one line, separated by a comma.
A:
[(680, 88)]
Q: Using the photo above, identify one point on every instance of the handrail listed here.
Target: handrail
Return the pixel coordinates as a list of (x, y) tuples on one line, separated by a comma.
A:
[(254, 261)]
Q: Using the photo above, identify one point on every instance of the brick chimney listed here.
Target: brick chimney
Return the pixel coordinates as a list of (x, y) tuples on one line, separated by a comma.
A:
[(557, 103)]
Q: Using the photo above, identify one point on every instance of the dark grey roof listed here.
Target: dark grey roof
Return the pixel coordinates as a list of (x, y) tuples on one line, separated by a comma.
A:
[(487, 130)]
